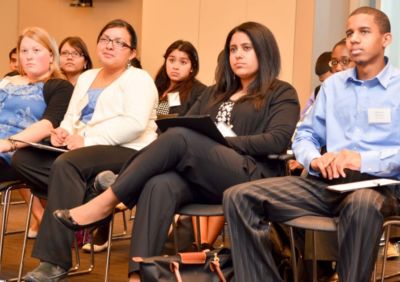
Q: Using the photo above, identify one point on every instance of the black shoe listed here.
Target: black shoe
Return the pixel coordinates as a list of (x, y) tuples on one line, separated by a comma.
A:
[(46, 272), (65, 218)]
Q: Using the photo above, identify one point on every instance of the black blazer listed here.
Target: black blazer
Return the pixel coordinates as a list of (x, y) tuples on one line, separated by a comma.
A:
[(259, 132)]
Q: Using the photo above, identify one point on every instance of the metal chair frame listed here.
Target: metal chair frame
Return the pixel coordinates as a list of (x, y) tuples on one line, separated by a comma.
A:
[(121, 236), (389, 222), (197, 210), (329, 225), (309, 223), (8, 187)]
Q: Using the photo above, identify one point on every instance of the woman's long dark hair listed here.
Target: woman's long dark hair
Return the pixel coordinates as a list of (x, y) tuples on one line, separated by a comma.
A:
[(269, 65), (184, 87)]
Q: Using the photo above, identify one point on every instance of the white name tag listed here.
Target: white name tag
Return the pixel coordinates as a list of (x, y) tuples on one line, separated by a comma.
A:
[(173, 99), (379, 116)]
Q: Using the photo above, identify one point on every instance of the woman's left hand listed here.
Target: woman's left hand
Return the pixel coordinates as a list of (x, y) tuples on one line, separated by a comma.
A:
[(74, 141)]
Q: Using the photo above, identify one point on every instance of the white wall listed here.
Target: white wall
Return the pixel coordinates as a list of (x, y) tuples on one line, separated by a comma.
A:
[(392, 9), (329, 27)]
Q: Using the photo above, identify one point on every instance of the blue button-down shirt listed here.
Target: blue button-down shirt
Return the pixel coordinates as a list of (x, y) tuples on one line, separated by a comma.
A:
[(339, 120)]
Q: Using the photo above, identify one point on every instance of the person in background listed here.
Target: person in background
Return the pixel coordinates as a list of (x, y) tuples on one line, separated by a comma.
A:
[(356, 116), (74, 58), (183, 166), (13, 62), (176, 81), (323, 71), (110, 117), (340, 59), (32, 103)]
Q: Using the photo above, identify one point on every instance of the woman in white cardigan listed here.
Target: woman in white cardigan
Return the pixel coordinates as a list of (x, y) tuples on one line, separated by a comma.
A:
[(110, 117)]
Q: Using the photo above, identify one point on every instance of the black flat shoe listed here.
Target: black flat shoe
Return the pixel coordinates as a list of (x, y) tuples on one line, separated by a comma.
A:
[(46, 272), (65, 218)]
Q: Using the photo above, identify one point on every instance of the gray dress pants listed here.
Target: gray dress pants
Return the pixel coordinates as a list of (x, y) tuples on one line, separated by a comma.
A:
[(250, 206)]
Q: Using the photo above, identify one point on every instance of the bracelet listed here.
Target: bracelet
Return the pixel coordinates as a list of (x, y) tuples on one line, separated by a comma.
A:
[(13, 144)]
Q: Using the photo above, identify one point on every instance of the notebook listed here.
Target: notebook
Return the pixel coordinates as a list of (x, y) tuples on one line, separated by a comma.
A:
[(202, 124), (362, 184), (42, 146)]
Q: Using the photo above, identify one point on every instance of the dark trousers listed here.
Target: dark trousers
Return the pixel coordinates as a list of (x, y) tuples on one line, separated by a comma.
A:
[(7, 173), (180, 167), (67, 176), (250, 206)]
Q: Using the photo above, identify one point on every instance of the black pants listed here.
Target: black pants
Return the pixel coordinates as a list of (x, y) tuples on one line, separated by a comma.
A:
[(180, 167), (7, 173), (67, 176), (250, 206)]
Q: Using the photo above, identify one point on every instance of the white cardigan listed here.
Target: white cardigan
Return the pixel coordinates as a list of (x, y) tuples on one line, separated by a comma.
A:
[(124, 113)]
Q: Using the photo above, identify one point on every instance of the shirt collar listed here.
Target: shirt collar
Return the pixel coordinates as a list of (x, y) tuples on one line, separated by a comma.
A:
[(382, 78)]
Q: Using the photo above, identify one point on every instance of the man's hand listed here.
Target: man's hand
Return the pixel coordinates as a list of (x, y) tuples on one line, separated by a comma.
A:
[(322, 165), (345, 159), (332, 165)]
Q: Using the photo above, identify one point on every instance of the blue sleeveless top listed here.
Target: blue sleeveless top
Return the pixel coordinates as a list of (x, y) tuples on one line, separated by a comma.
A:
[(88, 110), (20, 107)]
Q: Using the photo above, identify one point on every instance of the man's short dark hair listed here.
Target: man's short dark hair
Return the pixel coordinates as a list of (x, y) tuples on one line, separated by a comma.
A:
[(380, 18), (322, 63)]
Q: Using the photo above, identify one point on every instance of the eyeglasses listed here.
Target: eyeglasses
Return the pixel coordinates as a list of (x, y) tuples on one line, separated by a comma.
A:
[(343, 62), (73, 54), (117, 43)]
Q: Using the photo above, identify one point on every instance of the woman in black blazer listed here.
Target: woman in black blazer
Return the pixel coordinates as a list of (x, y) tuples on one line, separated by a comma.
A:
[(183, 166)]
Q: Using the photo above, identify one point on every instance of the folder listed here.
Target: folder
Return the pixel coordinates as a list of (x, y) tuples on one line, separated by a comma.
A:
[(42, 146), (202, 124), (362, 184)]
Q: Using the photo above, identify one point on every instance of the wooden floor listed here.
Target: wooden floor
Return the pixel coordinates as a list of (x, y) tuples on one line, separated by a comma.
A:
[(119, 255), (13, 245)]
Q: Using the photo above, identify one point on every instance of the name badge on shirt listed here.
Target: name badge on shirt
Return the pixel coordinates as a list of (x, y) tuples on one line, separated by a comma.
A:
[(379, 116), (173, 99)]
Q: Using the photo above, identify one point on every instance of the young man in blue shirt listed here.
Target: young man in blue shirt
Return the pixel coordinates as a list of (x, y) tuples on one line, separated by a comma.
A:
[(357, 117)]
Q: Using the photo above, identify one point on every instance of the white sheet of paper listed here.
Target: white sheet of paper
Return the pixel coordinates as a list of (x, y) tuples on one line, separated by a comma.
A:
[(362, 184), (225, 129), (379, 116), (173, 99)]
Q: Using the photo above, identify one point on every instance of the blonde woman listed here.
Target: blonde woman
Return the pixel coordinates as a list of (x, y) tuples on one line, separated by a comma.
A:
[(32, 103)]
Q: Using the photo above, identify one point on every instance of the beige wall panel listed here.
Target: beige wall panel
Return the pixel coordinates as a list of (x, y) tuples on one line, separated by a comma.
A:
[(206, 24), (9, 31), (61, 20), (163, 23), (279, 16), (217, 18), (303, 67)]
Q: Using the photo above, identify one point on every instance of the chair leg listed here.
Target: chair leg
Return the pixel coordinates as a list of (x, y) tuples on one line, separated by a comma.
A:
[(198, 233), (5, 198), (74, 270), (27, 224), (175, 230), (314, 260), (110, 232), (293, 251), (387, 235)]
